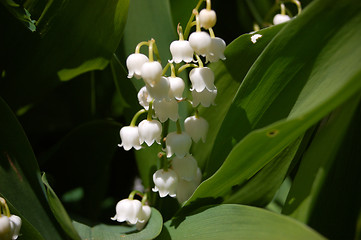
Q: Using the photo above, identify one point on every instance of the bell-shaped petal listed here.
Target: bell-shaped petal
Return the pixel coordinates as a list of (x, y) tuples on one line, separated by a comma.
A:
[(159, 90), (143, 217), (134, 63), (128, 210), (165, 182), (15, 223), (216, 50), (186, 167), (196, 127), (181, 51), (205, 98), (144, 97), (130, 138), (207, 18), (202, 78), (200, 42), (149, 131), (5, 228), (185, 189), (151, 72), (165, 109), (178, 144), (280, 18), (177, 86)]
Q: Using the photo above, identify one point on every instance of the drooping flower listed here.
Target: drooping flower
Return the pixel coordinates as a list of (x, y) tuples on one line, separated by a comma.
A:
[(165, 182), (205, 98), (178, 144), (134, 63), (144, 98), (200, 42), (15, 223), (280, 18), (185, 189), (143, 217), (5, 228), (130, 138), (196, 127), (207, 18), (202, 78), (181, 51), (165, 109), (149, 131), (132, 211), (177, 86), (186, 167), (216, 50), (159, 90), (151, 72)]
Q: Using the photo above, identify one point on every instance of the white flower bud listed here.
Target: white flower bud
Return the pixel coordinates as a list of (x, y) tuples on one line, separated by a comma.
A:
[(144, 98), (178, 144), (165, 109), (176, 87), (15, 223), (159, 90), (165, 182), (134, 63), (205, 98), (151, 72), (186, 167), (207, 18), (128, 210), (202, 78), (200, 42), (5, 228), (143, 217), (185, 189), (130, 138), (197, 128), (149, 131), (181, 51), (216, 50), (280, 18)]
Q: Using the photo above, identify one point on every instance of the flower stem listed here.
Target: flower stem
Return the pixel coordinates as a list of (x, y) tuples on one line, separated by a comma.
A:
[(150, 51), (150, 111), (134, 119), (185, 66), (209, 7), (189, 24), (179, 129), (199, 60), (137, 49), (144, 199), (172, 73), (135, 192), (180, 32), (211, 32)]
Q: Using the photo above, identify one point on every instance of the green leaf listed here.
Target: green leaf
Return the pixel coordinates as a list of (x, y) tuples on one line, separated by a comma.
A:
[(228, 221), (59, 211), (112, 232), (299, 86), (20, 13), (20, 182)]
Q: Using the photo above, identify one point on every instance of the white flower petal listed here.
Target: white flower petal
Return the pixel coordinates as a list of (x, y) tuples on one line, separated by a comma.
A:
[(130, 138), (165, 182), (181, 51), (128, 210), (197, 128), (151, 72), (149, 131), (207, 18), (185, 189), (176, 87), (200, 42), (186, 167), (165, 109), (202, 78), (216, 50), (280, 18), (159, 90), (178, 144), (205, 98), (134, 63)]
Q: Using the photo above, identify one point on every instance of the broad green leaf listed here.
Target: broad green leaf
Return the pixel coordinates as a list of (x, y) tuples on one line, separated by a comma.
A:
[(325, 171), (20, 182), (113, 232), (59, 211), (229, 221), (298, 86)]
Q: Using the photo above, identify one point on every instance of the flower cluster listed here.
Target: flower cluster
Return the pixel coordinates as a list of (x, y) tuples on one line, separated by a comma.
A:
[(283, 17), (179, 174), (9, 224)]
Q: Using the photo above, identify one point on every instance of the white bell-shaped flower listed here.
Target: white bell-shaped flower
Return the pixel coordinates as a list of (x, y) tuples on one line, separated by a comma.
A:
[(143, 217), (159, 90), (130, 138), (181, 51), (200, 42), (205, 98), (177, 86), (216, 50), (178, 144), (185, 189), (144, 98), (165, 182), (207, 18), (5, 228), (128, 210), (149, 131), (186, 167), (196, 127), (15, 223), (151, 72), (166, 108), (202, 78), (280, 18), (134, 63)]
